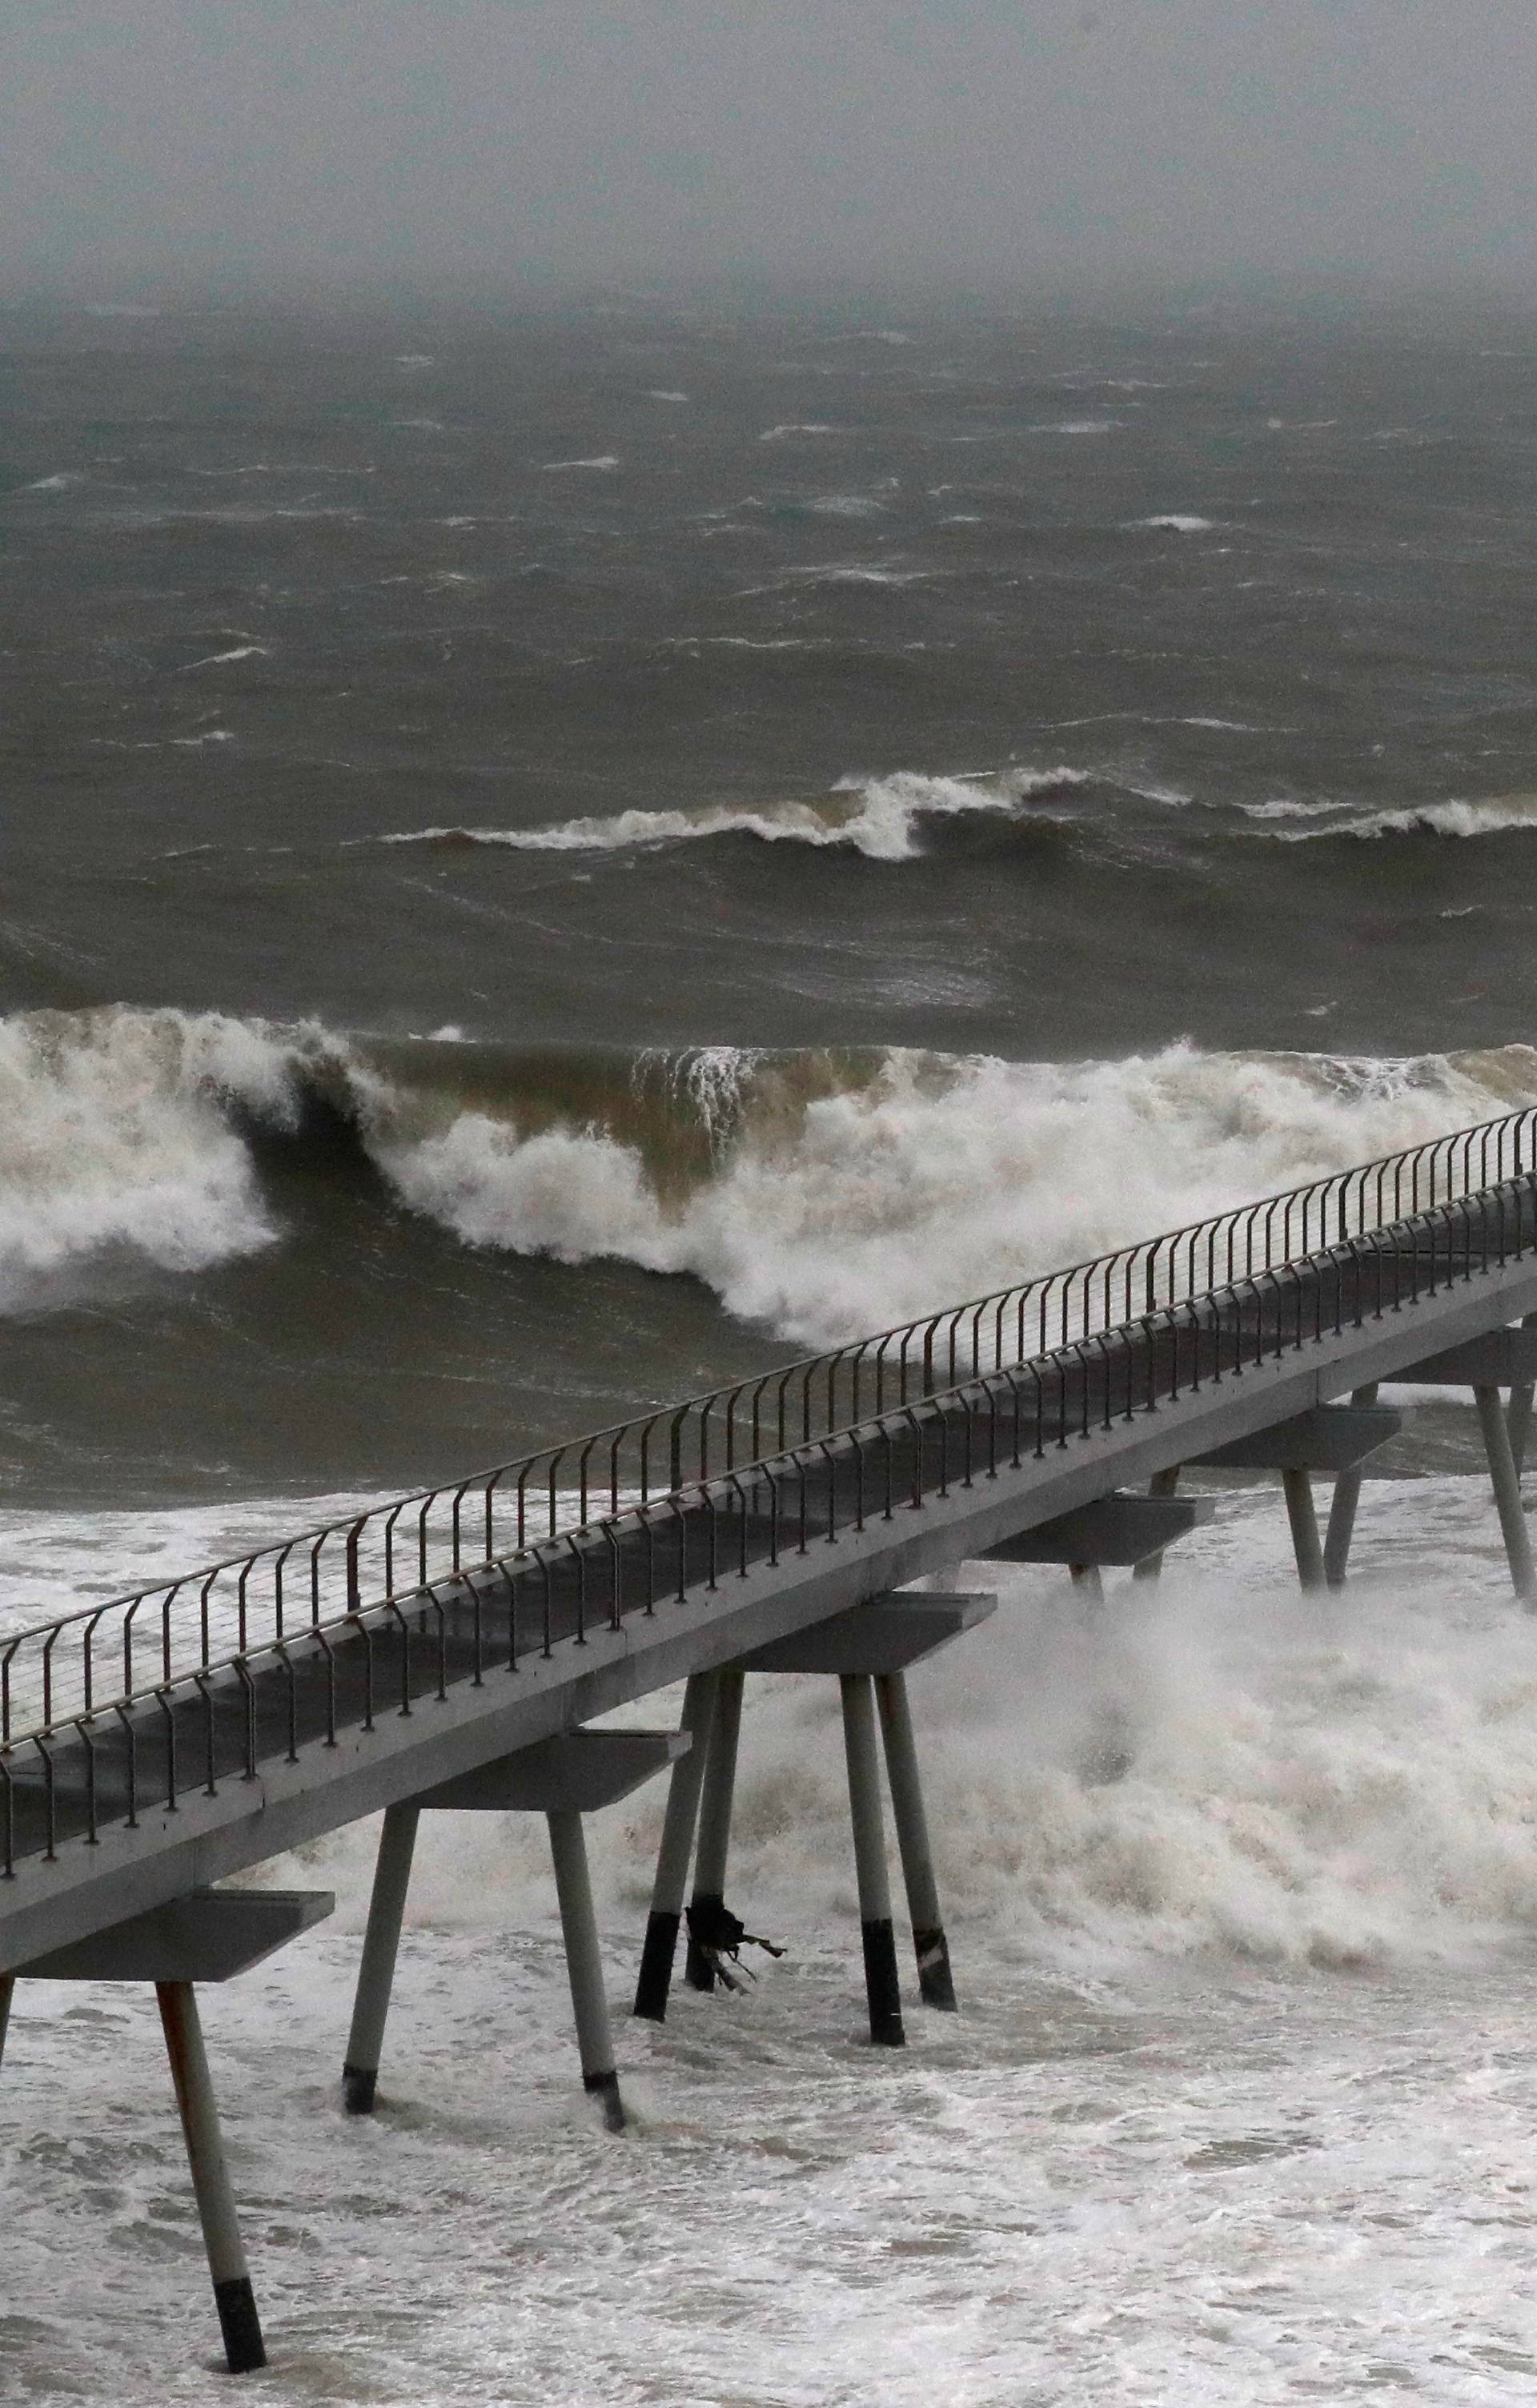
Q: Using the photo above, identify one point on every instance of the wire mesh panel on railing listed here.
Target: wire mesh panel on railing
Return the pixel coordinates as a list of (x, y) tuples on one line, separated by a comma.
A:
[(57, 1672)]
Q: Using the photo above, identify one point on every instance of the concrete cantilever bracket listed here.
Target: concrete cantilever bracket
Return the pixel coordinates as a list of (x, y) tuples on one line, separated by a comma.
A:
[(209, 1936), (1497, 1358), (885, 1634), (1328, 1438), (575, 1774), (1112, 1530)]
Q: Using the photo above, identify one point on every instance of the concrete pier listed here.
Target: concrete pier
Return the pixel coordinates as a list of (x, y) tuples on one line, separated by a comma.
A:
[(381, 1945), (716, 1799), (936, 1983), (233, 2296), (1342, 1506), (881, 1983), (1507, 1494), (584, 1965), (453, 1649), (654, 1982)]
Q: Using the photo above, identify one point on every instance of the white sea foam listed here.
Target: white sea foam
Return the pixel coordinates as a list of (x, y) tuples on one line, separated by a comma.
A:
[(600, 460), (1291, 807), (846, 506), (1177, 522), (880, 817), (802, 426), (1236, 2106), (942, 1177), (214, 660), (117, 1143), (834, 1200), (1076, 427), (1493, 816), (1489, 815)]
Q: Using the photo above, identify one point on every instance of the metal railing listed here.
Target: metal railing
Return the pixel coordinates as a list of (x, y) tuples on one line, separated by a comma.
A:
[(92, 1663)]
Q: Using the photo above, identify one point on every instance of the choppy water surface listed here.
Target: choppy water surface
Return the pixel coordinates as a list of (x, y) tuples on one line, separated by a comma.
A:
[(550, 861)]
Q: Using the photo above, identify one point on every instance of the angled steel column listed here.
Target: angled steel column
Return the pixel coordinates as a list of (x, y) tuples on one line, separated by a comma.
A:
[(8, 1991), (375, 1972), (1342, 1512), (720, 1783), (935, 1985), (1507, 1494), (1518, 1417), (1303, 1516), (584, 1964), (654, 1980), (1163, 1484), (882, 1985), (232, 2292)]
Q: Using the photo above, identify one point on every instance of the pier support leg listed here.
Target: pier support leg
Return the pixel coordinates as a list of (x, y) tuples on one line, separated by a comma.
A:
[(584, 1965), (719, 1788), (376, 1974), (935, 1985), (232, 2292), (1163, 1484), (666, 1898), (1342, 1512), (1303, 1518), (8, 1991), (1518, 1417), (870, 1856), (1089, 1578), (1507, 1494)]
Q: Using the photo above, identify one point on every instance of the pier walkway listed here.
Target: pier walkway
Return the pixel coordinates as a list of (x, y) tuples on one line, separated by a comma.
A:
[(445, 1649)]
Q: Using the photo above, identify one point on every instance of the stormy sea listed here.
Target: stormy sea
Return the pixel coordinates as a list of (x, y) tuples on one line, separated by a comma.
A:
[(557, 857)]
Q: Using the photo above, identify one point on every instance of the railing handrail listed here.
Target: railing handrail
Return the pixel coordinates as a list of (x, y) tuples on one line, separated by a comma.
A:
[(579, 1450), (239, 1660)]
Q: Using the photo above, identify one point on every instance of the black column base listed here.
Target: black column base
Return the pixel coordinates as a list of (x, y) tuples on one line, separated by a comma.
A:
[(358, 2084), (656, 1961), (704, 1914), (606, 2086), (883, 1989), (239, 2324), (935, 1985)]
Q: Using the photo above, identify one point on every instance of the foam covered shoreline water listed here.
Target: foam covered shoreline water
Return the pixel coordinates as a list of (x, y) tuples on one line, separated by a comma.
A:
[(1236, 2103)]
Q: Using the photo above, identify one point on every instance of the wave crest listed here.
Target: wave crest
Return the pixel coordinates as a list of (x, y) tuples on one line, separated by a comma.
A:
[(879, 817), (822, 1194)]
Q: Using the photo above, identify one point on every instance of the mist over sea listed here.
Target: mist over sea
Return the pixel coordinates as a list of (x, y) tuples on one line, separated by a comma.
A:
[(554, 859)]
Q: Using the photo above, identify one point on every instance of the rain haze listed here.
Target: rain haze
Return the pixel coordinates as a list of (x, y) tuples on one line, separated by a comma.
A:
[(678, 682), (274, 143)]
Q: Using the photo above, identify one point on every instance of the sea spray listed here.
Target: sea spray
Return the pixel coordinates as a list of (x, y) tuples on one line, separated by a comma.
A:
[(116, 1141), (1345, 1783)]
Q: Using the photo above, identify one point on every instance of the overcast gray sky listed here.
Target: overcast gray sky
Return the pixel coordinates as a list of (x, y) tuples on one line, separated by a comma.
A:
[(142, 140)]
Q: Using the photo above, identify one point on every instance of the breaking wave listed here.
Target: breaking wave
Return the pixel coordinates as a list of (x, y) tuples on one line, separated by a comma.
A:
[(1491, 815), (819, 1194), (879, 817)]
